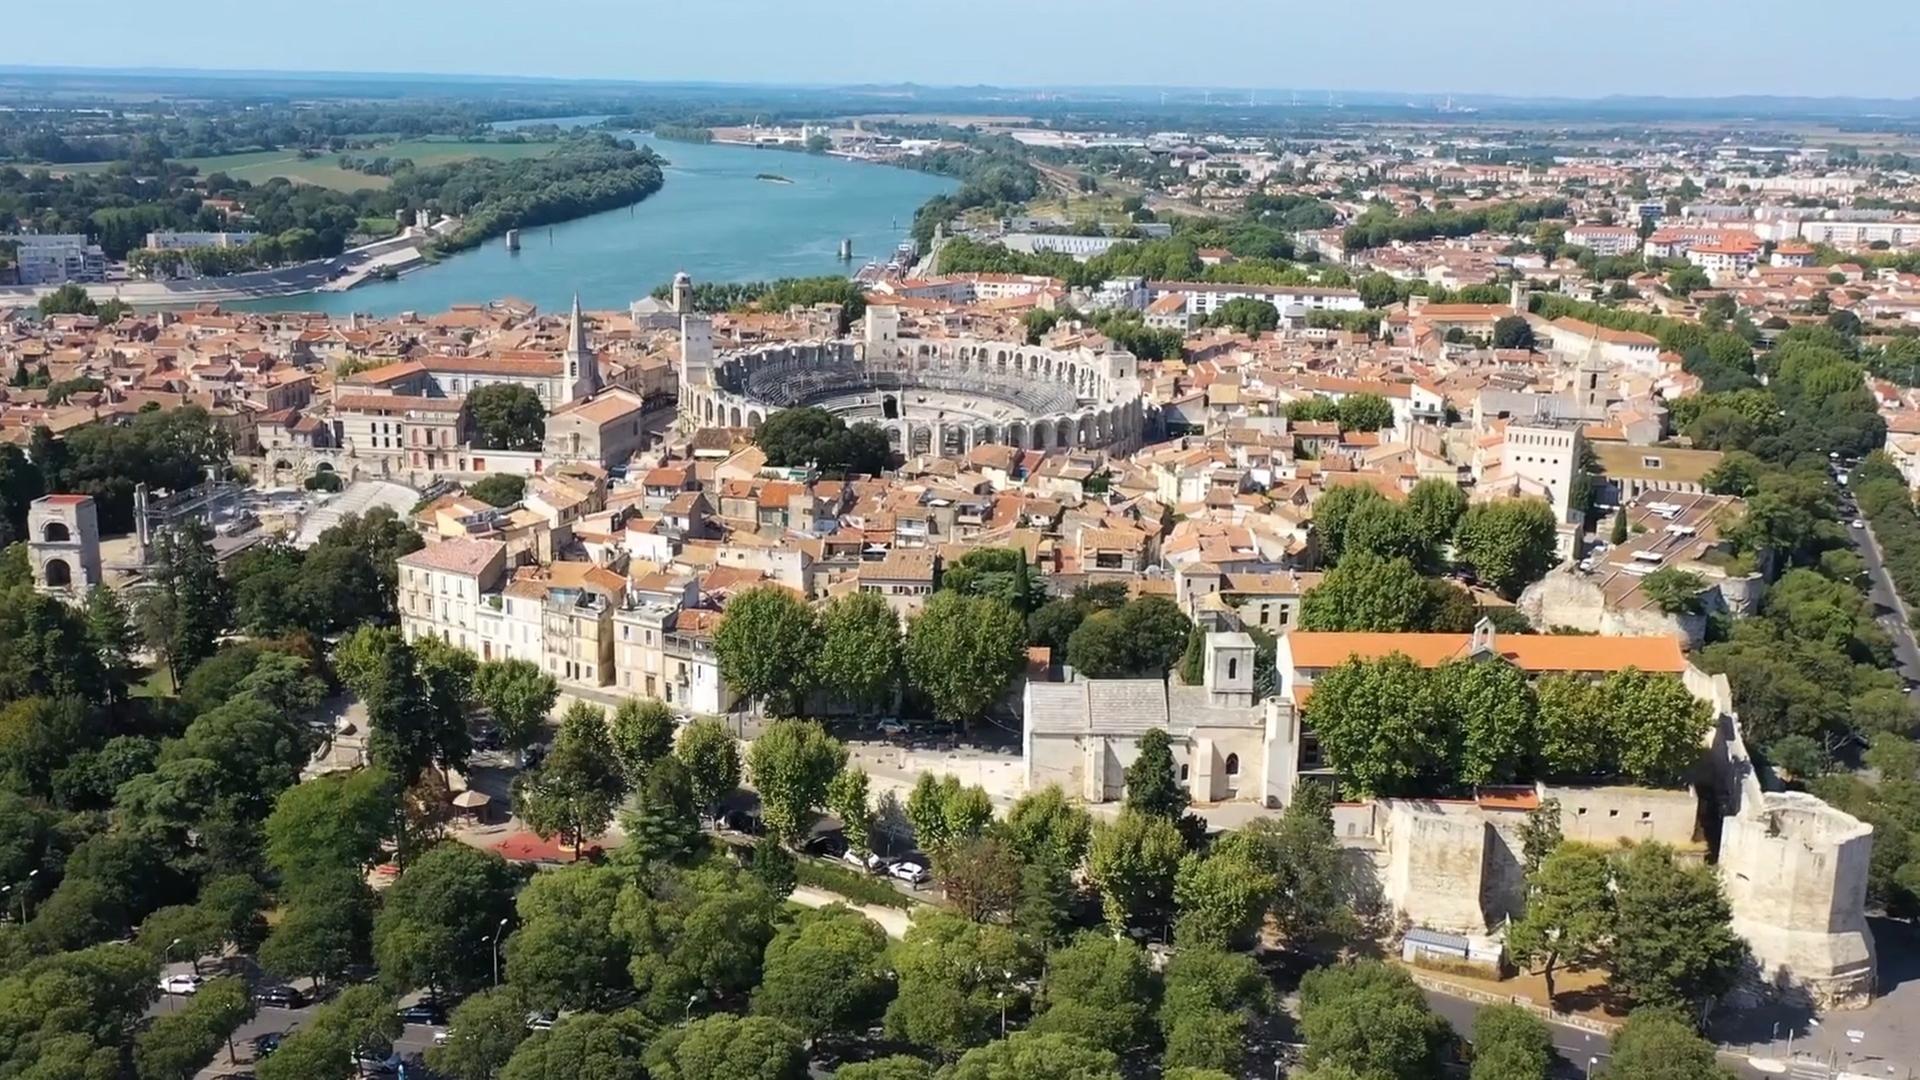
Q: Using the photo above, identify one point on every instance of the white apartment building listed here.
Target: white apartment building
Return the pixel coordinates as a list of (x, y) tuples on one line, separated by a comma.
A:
[(57, 258), (187, 241), (1204, 297), (443, 588), (1861, 234), (1605, 240)]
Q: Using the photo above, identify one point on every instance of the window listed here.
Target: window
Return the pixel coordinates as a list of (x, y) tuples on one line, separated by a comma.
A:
[(1233, 764), (1649, 462), (1233, 667), (1183, 774)]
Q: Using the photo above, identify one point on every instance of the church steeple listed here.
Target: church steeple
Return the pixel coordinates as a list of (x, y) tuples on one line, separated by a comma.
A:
[(582, 367)]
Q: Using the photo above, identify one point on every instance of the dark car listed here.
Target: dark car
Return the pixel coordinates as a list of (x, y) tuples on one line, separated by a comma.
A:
[(425, 1012), (487, 738), (280, 997), (266, 1044), (827, 845), (742, 822)]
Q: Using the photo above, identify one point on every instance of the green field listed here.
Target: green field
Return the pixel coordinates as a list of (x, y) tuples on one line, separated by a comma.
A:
[(323, 170)]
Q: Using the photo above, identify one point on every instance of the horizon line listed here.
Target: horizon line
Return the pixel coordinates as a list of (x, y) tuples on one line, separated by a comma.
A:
[(1508, 97)]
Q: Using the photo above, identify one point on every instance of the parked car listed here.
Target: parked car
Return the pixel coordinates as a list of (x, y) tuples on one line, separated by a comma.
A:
[(540, 1021), (386, 1062), (893, 725), (910, 872), (1858, 523), (423, 1012), (264, 1045), (742, 822), (871, 863), (487, 737), (441, 1035), (181, 984), (826, 845), (279, 997)]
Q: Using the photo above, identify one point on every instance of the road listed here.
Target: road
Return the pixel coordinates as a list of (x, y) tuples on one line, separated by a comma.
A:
[(1890, 612)]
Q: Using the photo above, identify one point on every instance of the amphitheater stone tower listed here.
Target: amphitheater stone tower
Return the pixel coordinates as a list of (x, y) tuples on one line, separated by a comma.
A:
[(63, 544), (1796, 876)]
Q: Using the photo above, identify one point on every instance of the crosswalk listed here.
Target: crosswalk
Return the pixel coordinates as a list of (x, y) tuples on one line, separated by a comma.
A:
[(1803, 1069)]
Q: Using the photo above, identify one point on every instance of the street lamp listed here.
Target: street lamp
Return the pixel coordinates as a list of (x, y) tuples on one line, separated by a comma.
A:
[(26, 895), (497, 931), (166, 957)]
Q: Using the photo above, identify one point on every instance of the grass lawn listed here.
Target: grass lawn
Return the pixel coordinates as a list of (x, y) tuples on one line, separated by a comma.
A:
[(157, 684), (323, 170)]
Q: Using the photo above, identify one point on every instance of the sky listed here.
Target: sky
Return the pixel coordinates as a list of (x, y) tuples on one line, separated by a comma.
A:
[(1680, 48)]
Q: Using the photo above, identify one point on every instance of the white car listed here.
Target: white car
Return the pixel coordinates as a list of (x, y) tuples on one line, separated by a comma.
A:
[(869, 862), (892, 725), (540, 1021), (910, 872), (1858, 523), (441, 1035), (181, 984)]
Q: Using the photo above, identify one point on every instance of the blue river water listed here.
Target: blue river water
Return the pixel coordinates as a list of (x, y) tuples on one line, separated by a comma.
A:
[(712, 218)]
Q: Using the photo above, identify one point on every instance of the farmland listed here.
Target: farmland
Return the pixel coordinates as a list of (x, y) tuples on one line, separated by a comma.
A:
[(323, 169)]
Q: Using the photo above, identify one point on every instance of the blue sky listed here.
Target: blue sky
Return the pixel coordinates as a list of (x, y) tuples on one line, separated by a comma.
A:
[(1674, 47)]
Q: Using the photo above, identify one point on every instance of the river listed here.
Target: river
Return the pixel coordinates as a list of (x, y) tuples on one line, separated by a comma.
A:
[(711, 218)]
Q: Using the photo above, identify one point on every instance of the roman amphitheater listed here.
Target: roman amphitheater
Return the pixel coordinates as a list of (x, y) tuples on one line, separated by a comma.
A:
[(941, 396)]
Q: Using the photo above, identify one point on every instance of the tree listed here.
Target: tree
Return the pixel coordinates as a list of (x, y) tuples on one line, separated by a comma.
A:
[(825, 974), (847, 800), (766, 644), (1331, 512), (1510, 1043), (727, 1048), (1246, 315), (1365, 412), (588, 1046), (336, 821), (999, 572), (1540, 835), (579, 785), (1571, 727), (183, 617), (1222, 896), (68, 299), (360, 1017), (1207, 999), (962, 652), (860, 650), (1673, 943), (1099, 989), (792, 763), (641, 734), (1510, 543), (813, 436), (1151, 786), (1657, 726), (1311, 896), (1032, 1055), (500, 489), (712, 758), (1436, 506), (1372, 1019), (565, 953), (1491, 708), (507, 416), (1674, 591), (179, 1044), (1133, 862), (664, 824), (1512, 332), (897, 1067), (519, 697), (482, 1034), (1569, 919), (1144, 639), (1656, 1044), (323, 929), (1618, 535), (953, 979), (1377, 723), (980, 877), (1042, 826), (1366, 592), (110, 634), (943, 811), (436, 915)]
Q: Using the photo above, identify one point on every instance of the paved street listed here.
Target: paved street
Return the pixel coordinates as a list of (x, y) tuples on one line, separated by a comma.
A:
[(1891, 613)]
